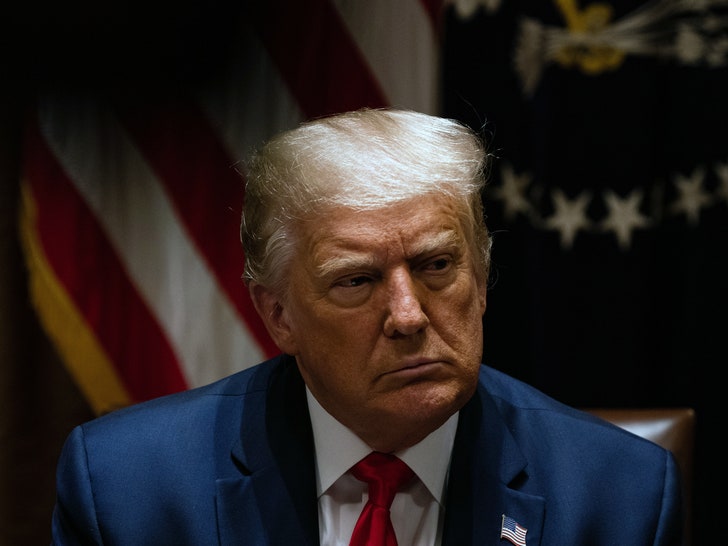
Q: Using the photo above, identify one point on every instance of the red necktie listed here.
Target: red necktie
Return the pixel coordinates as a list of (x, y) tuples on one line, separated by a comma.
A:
[(385, 474)]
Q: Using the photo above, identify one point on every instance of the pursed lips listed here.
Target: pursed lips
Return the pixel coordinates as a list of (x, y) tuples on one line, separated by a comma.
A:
[(415, 366)]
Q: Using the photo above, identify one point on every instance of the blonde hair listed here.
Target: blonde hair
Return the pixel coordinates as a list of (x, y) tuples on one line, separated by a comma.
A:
[(365, 159)]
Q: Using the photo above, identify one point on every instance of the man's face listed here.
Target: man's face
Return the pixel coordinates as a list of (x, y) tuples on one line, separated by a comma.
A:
[(384, 318)]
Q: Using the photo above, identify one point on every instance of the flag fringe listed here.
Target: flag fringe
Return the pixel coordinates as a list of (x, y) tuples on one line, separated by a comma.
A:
[(81, 352)]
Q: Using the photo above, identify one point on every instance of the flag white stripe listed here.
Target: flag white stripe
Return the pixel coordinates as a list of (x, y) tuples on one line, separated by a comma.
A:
[(254, 103), (201, 325), (401, 48)]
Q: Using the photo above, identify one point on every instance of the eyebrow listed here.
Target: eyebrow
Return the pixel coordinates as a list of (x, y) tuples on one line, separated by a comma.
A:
[(353, 261), (346, 262), (443, 239)]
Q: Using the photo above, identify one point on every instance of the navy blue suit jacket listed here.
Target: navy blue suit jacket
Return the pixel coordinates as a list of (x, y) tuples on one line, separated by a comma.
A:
[(232, 463)]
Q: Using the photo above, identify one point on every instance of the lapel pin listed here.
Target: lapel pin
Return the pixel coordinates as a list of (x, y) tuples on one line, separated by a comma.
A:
[(512, 531)]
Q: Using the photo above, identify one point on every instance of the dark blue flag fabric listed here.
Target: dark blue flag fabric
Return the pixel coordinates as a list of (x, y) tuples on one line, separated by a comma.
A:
[(608, 201)]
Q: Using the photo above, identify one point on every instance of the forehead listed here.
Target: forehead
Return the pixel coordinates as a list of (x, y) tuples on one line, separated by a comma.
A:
[(405, 229)]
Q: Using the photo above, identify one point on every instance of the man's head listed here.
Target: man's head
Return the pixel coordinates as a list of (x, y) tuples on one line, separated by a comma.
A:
[(367, 258)]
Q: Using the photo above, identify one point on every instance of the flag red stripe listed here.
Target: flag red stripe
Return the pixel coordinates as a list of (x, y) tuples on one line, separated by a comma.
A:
[(96, 280), (186, 154), (317, 58)]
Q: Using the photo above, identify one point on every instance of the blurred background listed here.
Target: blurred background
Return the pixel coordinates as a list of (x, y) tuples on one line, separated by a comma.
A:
[(122, 131)]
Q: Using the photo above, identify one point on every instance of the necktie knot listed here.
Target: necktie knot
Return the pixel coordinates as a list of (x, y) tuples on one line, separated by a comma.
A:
[(385, 474)]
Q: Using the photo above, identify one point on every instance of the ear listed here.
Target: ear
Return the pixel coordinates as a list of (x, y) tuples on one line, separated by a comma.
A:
[(271, 309)]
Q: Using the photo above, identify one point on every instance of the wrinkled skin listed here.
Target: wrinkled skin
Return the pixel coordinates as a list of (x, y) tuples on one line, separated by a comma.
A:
[(384, 318)]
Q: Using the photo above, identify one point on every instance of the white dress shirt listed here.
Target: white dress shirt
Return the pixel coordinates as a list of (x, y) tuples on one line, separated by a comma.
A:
[(417, 511)]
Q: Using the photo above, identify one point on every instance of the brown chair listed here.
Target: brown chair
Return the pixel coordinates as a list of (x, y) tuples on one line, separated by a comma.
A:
[(673, 429)]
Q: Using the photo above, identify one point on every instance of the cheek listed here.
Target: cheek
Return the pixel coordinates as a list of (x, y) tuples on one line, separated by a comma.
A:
[(460, 320), (333, 368), (342, 342)]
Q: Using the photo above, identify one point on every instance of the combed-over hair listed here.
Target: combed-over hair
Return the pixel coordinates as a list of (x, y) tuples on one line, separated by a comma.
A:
[(364, 159)]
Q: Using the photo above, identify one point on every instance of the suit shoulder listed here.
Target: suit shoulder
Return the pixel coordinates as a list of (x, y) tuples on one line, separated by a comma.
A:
[(193, 405), (523, 406)]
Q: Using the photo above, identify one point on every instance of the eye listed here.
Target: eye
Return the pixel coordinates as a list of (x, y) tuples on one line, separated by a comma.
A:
[(351, 291), (438, 264), (353, 282), (438, 272)]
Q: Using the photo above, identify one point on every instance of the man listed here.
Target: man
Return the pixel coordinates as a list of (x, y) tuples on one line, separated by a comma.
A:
[(367, 258)]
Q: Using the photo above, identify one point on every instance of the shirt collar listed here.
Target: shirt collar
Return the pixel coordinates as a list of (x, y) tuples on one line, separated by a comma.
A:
[(338, 449)]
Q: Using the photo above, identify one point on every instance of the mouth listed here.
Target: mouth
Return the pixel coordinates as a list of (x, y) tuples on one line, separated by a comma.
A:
[(418, 369)]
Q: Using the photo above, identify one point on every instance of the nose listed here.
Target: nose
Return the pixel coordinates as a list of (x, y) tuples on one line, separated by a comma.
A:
[(405, 315)]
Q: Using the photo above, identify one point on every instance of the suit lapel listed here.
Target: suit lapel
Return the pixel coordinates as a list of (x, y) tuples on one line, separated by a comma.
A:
[(485, 472), (273, 496)]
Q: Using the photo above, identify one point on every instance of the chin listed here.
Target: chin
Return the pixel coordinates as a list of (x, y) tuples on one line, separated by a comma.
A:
[(429, 407)]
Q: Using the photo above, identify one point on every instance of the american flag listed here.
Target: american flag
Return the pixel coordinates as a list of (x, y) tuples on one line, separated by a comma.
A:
[(131, 201), (511, 531)]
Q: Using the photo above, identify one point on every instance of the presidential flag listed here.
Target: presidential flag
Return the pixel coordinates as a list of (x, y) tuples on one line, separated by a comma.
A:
[(608, 200)]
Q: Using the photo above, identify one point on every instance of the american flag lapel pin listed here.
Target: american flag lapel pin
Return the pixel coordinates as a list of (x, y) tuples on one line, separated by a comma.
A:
[(512, 531)]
